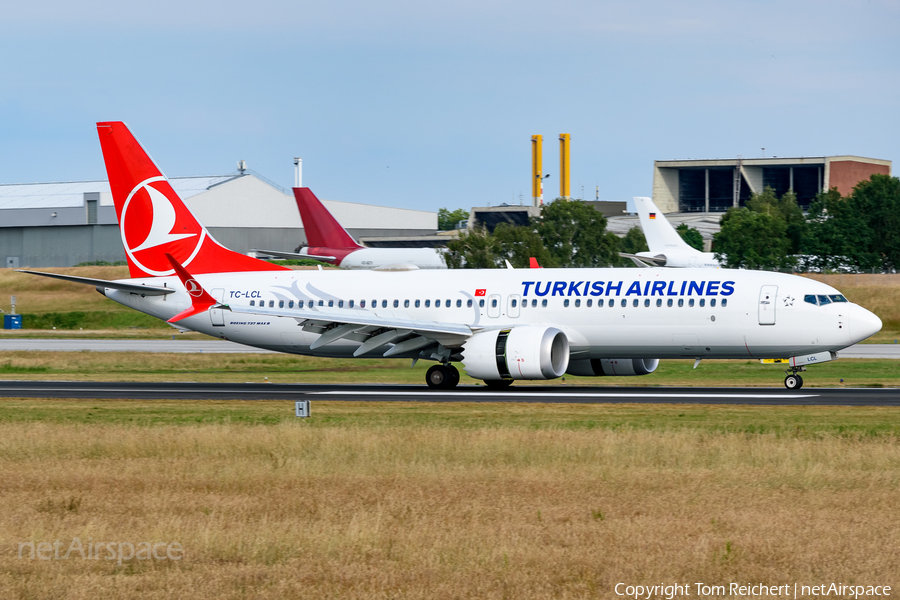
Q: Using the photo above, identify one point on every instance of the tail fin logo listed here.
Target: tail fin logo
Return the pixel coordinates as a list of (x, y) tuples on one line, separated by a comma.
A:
[(152, 226), (193, 288)]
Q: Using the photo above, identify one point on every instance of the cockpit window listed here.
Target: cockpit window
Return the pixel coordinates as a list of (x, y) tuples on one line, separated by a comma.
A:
[(810, 298), (837, 298), (823, 299)]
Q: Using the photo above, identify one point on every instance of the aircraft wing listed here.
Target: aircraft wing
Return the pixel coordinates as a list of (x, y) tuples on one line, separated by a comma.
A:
[(644, 261), (296, 255), (143, 290), (374, 332)]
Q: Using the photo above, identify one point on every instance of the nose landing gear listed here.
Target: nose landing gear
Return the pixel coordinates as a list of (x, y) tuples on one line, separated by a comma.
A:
[(793, 381), (442, 377)]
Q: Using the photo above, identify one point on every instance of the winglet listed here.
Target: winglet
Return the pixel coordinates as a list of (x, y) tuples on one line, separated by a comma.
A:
[(533, 263), (201, 301)]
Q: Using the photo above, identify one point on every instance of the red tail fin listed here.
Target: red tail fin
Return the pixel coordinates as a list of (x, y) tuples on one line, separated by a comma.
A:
[(153, 220), (322, 230)]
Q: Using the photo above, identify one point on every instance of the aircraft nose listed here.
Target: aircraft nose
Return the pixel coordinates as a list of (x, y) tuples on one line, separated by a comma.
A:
[(863, 324)]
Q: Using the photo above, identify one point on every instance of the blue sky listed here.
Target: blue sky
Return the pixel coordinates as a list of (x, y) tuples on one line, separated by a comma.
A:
[(433, 104)]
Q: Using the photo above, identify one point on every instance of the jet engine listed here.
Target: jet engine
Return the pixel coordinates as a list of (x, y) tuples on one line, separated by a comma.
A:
[(617, 367), (524, 352)]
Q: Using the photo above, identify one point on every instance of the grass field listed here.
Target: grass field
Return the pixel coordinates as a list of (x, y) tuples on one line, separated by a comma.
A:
[(283, 368), (417, 500)]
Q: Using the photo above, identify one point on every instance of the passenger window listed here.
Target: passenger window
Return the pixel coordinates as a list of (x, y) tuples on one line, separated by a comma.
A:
[(724, 302), (447, 303), (494, 303), (481, 303), (406, 304), (691, 302), (469, 303), (458, 303), (330, 303), (712, 302), (300, 303), (396, 304), (543, 303), (810, 298), (659, 302), (253, 303), (823, 300), (669, 302), (418, 302), (577, 303), (374, 303), (589, 302), (428, 304), (680, 302), (281, 304), (384, 304), (646, 302), (350, 304), (321, 303), (624, 303), (566, 302), (600, 302), (702, 302), (534, 303), (271, 304), (340, 304), (513, 303), (362, 303), (634, 302), (291, 304)]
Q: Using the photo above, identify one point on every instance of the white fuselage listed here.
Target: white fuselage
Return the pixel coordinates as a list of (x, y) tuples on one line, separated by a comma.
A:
[(622, 313), (373, 258)]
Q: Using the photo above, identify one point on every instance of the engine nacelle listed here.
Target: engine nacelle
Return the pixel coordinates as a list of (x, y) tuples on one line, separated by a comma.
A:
[(524, 352), (616, 367)]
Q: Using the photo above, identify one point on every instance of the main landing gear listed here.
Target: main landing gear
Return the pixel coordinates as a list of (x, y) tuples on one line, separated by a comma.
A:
[(793, 381), (442, 377)]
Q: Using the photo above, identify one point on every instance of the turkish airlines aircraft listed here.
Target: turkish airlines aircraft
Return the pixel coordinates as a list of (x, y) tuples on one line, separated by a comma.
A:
[(501, 324), (330, 242), (667, 249)]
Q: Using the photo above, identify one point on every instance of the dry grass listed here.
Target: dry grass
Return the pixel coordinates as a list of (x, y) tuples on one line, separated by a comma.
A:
[(435, 511)]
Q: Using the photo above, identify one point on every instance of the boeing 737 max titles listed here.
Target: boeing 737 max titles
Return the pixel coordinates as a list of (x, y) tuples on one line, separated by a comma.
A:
[(667, 249), (502, 325), (330, 242)]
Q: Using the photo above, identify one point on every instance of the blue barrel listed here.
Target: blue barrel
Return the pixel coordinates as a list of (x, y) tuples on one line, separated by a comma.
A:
[(12, 321)]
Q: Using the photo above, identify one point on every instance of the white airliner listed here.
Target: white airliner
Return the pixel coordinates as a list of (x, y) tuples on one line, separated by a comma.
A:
[(501, 324), (329, 242), (667, 249)]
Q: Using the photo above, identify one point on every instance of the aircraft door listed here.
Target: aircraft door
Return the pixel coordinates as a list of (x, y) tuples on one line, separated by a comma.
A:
[(767, 304), (493, 303), (512, 306), (215, 314)]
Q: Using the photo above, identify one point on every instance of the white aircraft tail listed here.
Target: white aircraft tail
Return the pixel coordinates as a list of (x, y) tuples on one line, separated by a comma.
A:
[(659, 232)]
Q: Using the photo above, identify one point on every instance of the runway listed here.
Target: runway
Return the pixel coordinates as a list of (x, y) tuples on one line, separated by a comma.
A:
[(220, 346), (410, 393)]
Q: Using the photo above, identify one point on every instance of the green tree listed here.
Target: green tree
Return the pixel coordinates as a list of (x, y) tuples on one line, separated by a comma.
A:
[(475, 249), (575, 235), (448, 219), (787, 209), (519, 244), (838, 236), (752, 240), (691, 236), (633, 242), (878, 199)]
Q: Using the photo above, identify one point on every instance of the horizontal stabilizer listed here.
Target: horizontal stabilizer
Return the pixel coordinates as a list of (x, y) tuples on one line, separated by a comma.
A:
[(296, 255), (133, 288)]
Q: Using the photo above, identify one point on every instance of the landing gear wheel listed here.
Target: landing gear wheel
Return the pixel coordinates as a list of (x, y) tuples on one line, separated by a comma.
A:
[(439, 377), (793, 382), (454, 377), (498, 384)]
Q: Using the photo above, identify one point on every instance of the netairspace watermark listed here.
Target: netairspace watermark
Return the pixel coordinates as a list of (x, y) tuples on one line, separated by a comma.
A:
[(117, 551), (788, 590)]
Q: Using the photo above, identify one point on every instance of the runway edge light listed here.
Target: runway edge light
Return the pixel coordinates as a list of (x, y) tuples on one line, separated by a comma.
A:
[(301, 408)]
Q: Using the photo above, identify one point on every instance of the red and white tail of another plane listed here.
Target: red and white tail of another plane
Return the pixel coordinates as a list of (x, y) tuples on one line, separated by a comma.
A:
[(329, 242)]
